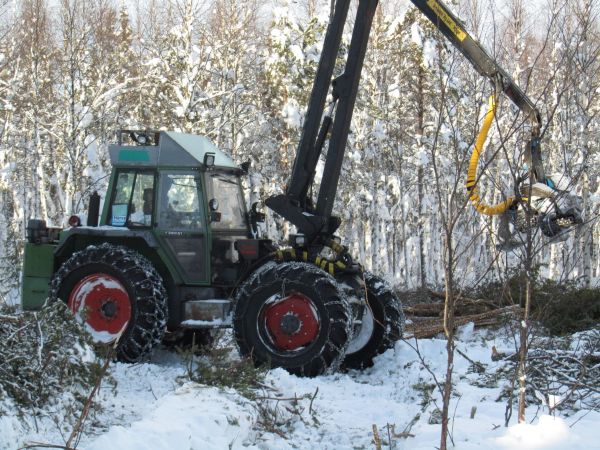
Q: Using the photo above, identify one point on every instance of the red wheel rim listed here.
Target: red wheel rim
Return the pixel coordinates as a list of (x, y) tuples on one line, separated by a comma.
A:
[(102, 303), (292, 322)]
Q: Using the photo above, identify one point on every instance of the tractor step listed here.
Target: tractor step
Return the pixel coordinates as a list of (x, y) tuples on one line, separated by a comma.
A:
[(209, 313)]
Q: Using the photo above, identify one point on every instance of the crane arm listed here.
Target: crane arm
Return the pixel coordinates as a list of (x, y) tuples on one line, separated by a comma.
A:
[(553, 211), (452, 28)]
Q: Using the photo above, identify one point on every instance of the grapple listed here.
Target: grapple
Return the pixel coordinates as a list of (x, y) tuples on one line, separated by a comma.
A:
[(552, 211), (538, 205)]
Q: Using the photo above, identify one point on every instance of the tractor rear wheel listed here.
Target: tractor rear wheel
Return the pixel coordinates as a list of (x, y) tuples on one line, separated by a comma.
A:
[(292, 315), (117, 294), (380, 322)]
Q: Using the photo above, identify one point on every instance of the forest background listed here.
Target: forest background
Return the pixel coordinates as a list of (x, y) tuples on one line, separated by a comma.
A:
[(73, 72)]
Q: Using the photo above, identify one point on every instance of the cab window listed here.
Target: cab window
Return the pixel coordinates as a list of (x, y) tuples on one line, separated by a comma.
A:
[(133, 200), (225, 189), (182, 208)]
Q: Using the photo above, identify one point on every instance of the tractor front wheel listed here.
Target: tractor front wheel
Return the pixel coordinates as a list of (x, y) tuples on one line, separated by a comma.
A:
[(292, 315), (116, 294)]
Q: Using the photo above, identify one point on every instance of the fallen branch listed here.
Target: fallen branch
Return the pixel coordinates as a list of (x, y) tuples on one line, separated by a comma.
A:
[(465, 300), (78, 429), (480, 367), (13, 319), (42, 445)]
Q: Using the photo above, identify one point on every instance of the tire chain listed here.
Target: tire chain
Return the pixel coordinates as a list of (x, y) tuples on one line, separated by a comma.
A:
[(151, 315), (331, 355), (394, 322)]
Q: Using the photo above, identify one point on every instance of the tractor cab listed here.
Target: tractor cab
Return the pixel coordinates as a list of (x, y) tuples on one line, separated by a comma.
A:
[(187, 194)]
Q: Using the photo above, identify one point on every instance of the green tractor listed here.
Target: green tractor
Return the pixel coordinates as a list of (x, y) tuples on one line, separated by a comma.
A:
[(175, 251)]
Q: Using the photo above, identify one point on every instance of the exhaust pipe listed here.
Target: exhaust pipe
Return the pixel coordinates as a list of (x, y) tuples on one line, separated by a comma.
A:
[(93, 210)]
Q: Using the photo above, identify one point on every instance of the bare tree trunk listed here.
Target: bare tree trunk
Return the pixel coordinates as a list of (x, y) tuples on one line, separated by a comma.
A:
[(449, 333), (524, 325), (422, 268), (586, 239), (524, 328), (420, 176)]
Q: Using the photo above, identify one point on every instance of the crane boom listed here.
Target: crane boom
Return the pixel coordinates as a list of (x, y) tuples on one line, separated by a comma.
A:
[(295, 205), (453, 29)]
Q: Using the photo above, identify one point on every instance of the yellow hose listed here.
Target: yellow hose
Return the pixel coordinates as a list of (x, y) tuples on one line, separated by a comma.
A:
[(482, 208)]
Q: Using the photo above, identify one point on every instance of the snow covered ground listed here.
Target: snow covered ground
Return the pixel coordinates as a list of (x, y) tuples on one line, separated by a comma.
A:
[(155, 407)]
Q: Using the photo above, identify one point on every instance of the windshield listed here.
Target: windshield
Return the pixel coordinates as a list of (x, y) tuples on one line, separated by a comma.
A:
[(225, 188)]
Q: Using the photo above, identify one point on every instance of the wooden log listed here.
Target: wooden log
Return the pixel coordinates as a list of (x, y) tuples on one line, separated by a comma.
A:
[(437, 309), (432, 327), (424, 309), (464, 306)]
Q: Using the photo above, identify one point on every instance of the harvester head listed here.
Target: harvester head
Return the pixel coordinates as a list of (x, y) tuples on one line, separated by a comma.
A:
[(554, 212)]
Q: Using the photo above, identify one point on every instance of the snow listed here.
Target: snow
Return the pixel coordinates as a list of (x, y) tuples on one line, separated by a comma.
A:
[(191, 323), (548, 432), (11, 430), (465, 333), (415, 35), (193, 416), (155, 406), (291, 114)]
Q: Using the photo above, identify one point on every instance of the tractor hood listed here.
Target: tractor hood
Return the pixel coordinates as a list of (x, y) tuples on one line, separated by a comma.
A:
[(171, 149)]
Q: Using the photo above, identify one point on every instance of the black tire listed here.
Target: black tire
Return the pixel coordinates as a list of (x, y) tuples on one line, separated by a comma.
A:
[(146, 319), (272, 285), (386, 323)]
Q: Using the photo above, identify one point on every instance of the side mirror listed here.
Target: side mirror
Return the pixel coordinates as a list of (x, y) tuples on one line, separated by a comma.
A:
[(213, 205), (256, 216), (209, 160), (245, 166)]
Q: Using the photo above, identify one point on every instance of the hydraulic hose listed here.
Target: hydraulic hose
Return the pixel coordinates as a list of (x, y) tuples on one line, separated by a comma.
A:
[(478, 204)]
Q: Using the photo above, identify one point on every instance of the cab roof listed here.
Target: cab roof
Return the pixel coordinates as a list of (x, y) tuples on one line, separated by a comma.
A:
[(166, 149)]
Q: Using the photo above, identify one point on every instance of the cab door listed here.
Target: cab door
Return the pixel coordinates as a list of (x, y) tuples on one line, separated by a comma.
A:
[(181, 224)]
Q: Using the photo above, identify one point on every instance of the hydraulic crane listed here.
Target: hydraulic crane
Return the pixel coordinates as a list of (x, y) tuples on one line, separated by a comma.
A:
[(552, 210)]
